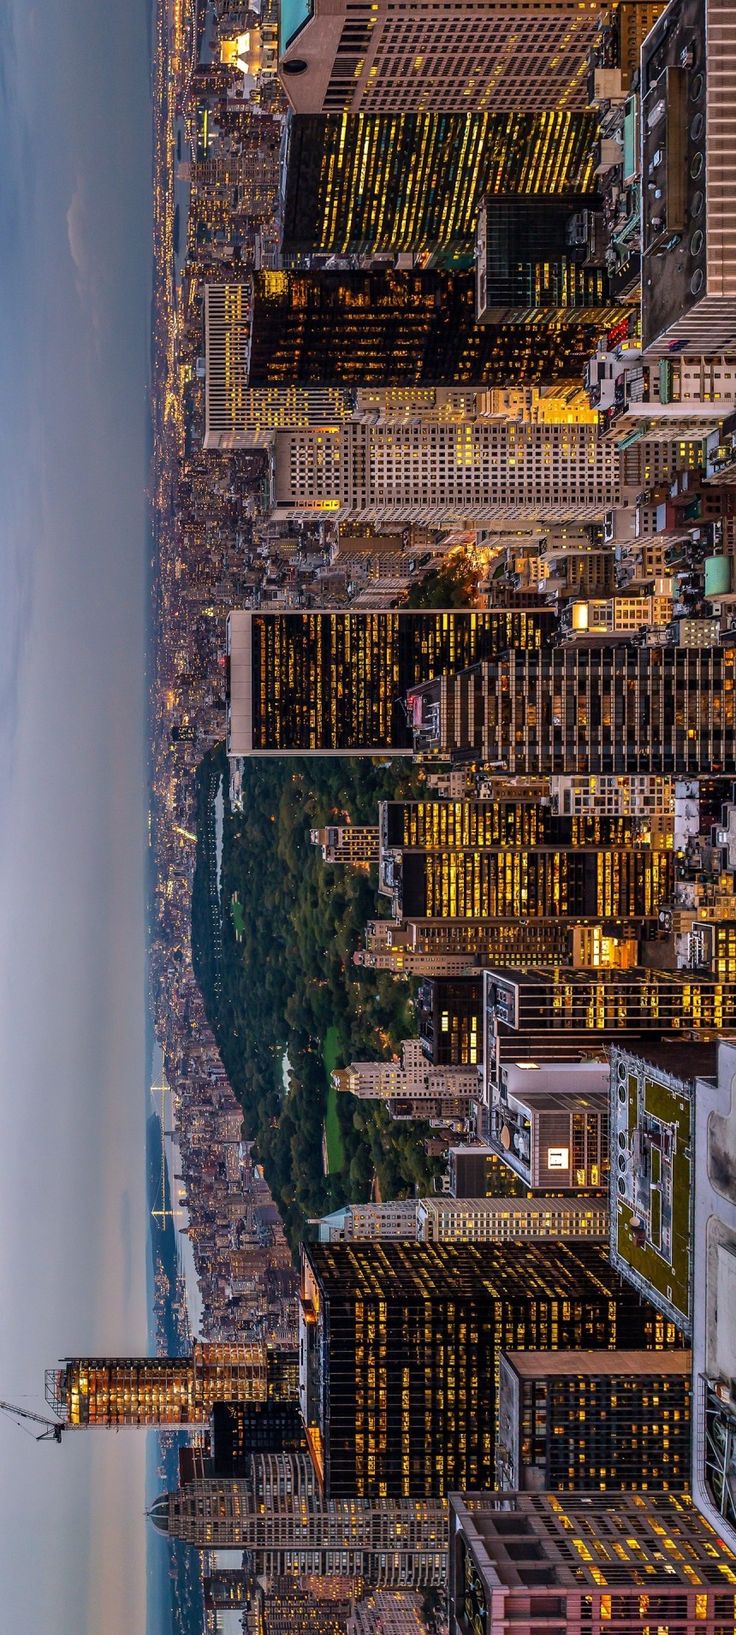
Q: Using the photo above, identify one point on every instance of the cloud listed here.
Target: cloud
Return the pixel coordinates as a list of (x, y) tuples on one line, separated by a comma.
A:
[(83, 239)]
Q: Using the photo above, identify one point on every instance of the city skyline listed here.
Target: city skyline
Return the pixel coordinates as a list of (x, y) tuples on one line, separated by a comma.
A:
[(368, 819)]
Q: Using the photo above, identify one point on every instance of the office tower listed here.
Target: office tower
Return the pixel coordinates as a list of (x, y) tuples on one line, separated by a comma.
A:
[(611, 709), (391, 327), (387, 1612), (480, 472), (278, 1515), (353, 843), (334, 683), (354, 186), (226, 332), (523, 262), (644, 797), (479, 1172), (615, 1420), (239, 416), (376, 56), (550, 1124), (652, 1169), (632, 1562), (292, 1611), (500, 859), (688, 63), (413, 1078), (117, 1391), (465, 1220), (241, 1429), (400, 1343), (714, 1298), (448, 1011), (546, 1015)]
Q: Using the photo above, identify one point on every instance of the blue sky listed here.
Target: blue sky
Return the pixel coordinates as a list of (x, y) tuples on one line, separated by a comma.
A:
[(75, 248)]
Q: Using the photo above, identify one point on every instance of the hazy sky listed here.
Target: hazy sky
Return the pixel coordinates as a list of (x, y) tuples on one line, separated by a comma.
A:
[(74, 287)]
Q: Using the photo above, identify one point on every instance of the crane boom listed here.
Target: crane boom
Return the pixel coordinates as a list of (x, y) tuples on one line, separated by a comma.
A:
[(53, 1427)]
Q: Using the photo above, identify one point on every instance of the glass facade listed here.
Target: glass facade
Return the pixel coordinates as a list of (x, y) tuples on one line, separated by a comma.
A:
[(367, 183)]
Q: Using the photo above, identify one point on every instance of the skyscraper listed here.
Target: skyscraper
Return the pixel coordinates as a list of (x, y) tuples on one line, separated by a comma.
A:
[(116, 1391), (403, 328), (610, 1420), (400, 1346), (477, 472), (277, 1514), (594, 1560), (480, 860), (333, 683), (610, 710), (523, 262), (448, 1011), (374, 55), (353, 185), (545, 1015)]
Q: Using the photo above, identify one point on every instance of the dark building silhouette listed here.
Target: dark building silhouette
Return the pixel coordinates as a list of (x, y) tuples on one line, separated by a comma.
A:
[(399, 328)]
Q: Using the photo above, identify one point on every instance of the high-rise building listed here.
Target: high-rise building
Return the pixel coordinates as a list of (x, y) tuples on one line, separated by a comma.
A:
[(400, 1341), (413, 1078), (353, 843), (376, 56), (353, 185), (478, 1172), (277, 1514), (241, 1429), (115, 1391), (550, 1124), (630, 1562), (523, 262), (497, 860), (612, 709), (611, 1420), (334, 683), (226, 332), (652, 1169), (448, 1011), (403, 328), (479, 472), (466, 1220), (240, 416), (688, 69), (714, 1296), (540, 1016), (387, 1612)]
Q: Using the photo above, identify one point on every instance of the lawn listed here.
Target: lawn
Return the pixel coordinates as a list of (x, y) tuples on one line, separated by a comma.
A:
[(333, 1133)]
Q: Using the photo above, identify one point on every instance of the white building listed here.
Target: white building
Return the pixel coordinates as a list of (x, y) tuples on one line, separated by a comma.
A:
[(476, 472), (413, 1079)]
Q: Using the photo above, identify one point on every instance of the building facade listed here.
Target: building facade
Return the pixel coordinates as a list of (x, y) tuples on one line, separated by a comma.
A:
[(616, 1420), (399, 1350), (352, 187), (477, 472), (376, 56), (333, 683), (148, 1391), (401, 328), (611, 710), (593, 1560)]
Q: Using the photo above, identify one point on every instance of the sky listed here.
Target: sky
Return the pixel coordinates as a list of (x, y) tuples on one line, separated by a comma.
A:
[(75, 251)]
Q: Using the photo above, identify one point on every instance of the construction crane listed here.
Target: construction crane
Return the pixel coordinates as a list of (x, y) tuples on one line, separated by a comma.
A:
[(53, 1427)]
